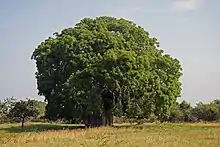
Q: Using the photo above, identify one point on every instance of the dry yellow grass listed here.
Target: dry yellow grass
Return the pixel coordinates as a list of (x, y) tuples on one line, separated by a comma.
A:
[(152, 135)]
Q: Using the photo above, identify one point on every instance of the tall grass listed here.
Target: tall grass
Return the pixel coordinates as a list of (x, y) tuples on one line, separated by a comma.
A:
[(152, 135)]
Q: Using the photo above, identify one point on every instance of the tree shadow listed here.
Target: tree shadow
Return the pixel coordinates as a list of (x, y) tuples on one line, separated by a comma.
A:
[(167, 126), (41, 128), (55, 127), (135, 126)]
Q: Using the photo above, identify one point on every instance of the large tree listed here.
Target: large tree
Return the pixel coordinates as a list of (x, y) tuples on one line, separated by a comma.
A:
[(85, 70)]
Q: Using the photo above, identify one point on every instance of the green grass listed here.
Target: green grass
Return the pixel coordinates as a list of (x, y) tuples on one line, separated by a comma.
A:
[(152, 135)]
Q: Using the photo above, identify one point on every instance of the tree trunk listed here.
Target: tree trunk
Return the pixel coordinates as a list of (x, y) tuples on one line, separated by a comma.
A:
[(108, 117), (104, 120), (22, 123), (93, 121), (109, 103), (96, 121)]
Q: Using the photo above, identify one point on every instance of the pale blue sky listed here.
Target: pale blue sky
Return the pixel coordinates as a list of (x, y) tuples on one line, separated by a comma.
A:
[(186, 29)]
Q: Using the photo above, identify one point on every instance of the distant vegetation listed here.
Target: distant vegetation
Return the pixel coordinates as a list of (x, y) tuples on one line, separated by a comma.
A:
[(13, 110)]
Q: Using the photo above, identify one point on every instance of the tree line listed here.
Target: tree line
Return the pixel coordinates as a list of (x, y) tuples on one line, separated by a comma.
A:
[(14, 110), (183, 111)]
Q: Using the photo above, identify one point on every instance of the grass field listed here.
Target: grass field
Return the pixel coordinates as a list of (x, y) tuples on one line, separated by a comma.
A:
[(148, 135)]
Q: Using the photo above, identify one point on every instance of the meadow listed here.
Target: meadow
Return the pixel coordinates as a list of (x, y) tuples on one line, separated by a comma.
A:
[(152, 135)]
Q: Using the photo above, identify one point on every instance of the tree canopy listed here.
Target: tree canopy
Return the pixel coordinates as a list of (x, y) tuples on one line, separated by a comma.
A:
[(79, 65), (23, 110)]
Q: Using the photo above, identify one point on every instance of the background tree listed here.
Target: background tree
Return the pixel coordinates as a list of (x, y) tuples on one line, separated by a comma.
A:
[(186, 109), (77, 67), (205, 112), (23, 110), (40, 107), (175, 113), (5, 106), (216, 103), (2, 113)]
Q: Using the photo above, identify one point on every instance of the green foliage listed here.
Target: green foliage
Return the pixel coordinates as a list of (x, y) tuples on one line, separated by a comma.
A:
[(175, 113), (180, 112), (5, 106), (186, 109), (23, 110), (216, 105), (206, 112), (40, 108), (3, 116), (201, 112), (75, 65)]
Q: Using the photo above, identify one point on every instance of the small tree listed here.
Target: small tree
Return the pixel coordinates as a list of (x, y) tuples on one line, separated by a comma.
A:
[(186, 109), (23, 110), (5, 106), (205, 112)]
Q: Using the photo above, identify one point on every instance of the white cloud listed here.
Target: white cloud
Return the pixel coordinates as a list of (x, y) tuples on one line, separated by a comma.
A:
[(125, 12), (187, 5)]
